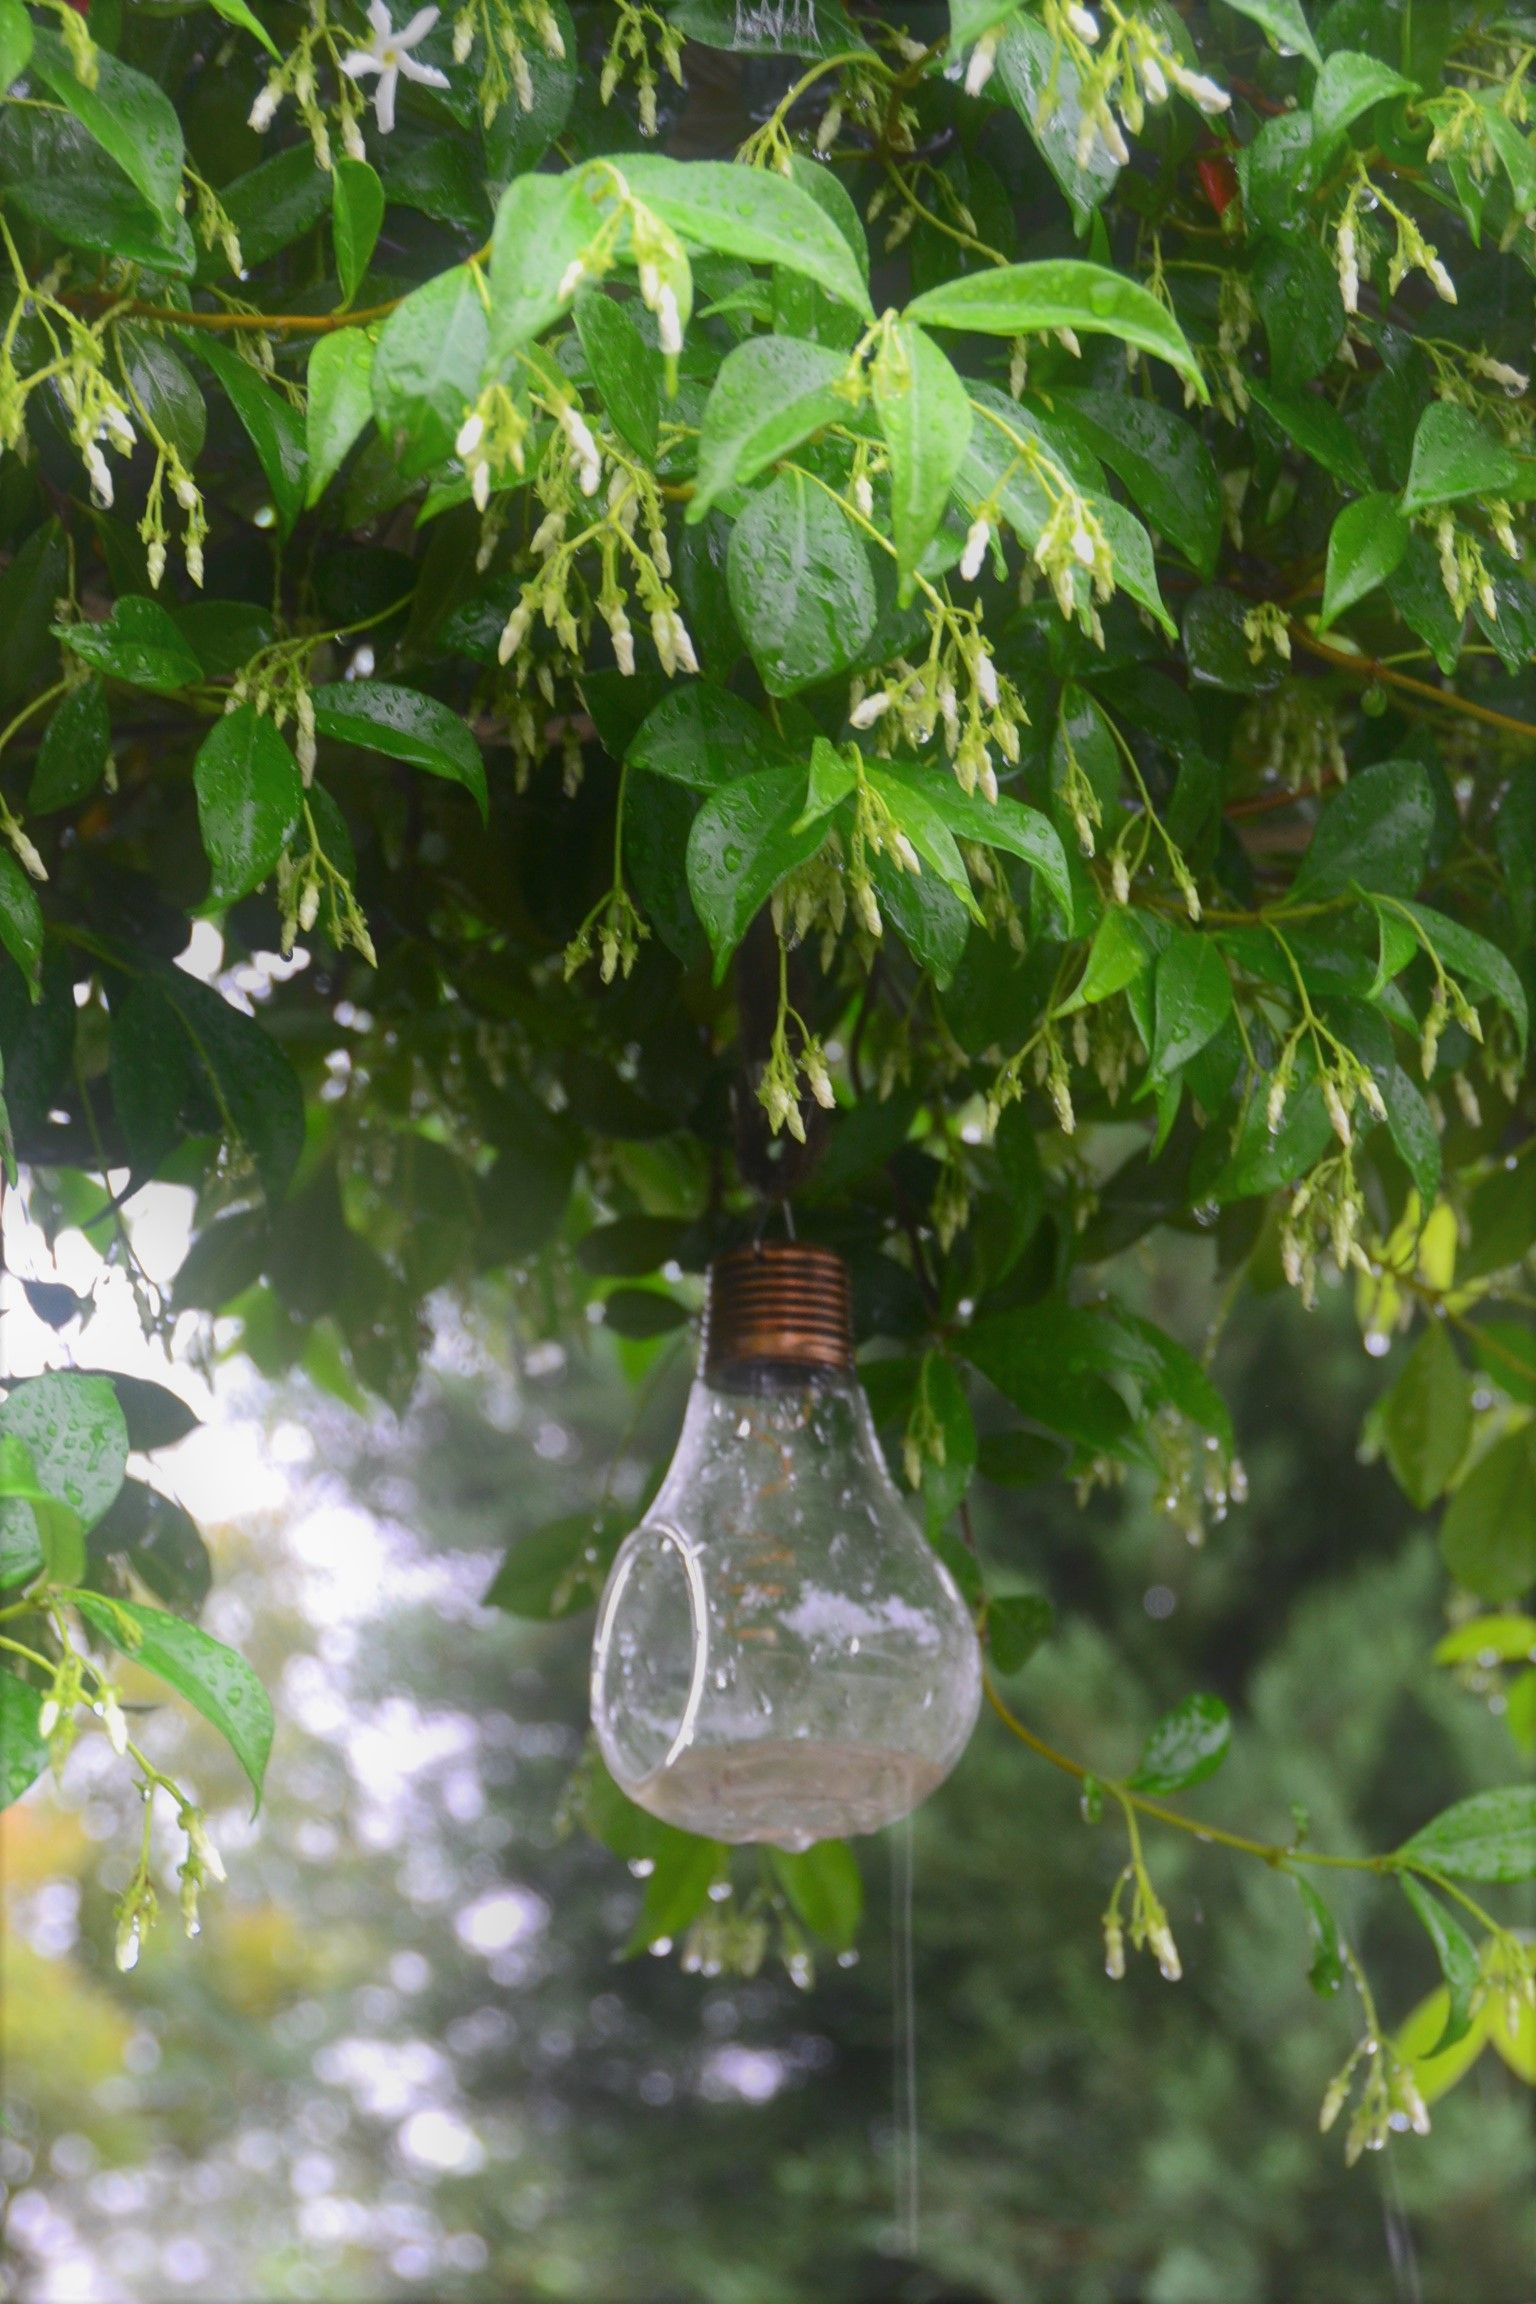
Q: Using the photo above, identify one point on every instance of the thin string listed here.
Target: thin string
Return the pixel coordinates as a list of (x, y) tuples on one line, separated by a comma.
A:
[(1402, 2255), (903, 2044)]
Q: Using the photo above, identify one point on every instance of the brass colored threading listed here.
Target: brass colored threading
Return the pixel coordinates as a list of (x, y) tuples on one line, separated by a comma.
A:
[(783, 1302)]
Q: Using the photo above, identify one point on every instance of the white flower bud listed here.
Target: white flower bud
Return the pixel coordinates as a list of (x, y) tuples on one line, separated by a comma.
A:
[(872, 708), (669, 325), (48, 1719), (111, 1714), (1440, 280), (571, 279), (514, 633), (471, 433), (982, 64), (682, 642), (1152, 80), (480, 485), (985, 674), (864, 495), (905, 855), (154, 563), (264, 111), (978, 537), (1083, 23)]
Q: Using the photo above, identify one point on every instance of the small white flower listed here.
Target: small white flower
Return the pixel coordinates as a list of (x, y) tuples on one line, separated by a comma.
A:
[(48, 1719), (1349, 268), (978, 537), (309, 913), (184, 489), (584, 450), (866, 713), (1083, 23), (514, 633), (907, 859), (471, 433), (669, 325), (389, 54), (202, 1847), (1198, 88), (118, 430), (982, 64), (154, 563), (113, 1721), (99, 474), (864, 495), (264, 111), (623, 643), (1440, 280), (1152, 79), (682, 642), (986, 679), (480, 486), (571, 278)]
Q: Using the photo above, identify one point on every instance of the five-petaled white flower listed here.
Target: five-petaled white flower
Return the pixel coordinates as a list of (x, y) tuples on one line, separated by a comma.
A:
[(389, 54)]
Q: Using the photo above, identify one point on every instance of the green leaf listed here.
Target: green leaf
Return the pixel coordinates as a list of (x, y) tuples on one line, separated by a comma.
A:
[(1060, 292), (1285, 25), (405, 726), (753, 213), (557, 1570), (249, 799), (1515, 150), (237, 12), (923, 821), (543, 225), (772, 392), (72, 1429), (641, 1313), (274, 428), (1453, 456), (59, 1541), (1326, 1973), (1488, 1535), (1052, 1360), (23, 1749), (703, 736), (277, 202), (21, 920), (1192, 999), (801, 584), (1473, 958), (685, 1869), (1003, 823), (29, 592), (214, 1679), (1116, 957), (427, 367), (130, 117), (625, 368), (167, 390), (1489, 1640), (1017, 1624), (1426, 1418), (969, 19), (1043, 87), (1492, 1836), (357, 211), (72, 757), (1456, 1954), (59, 177), (15, 41), (1187, 1745), (831, 778), (925, 415), (1365, 544), (742, 844), (824, 1887), (927, 915), (1349, 84), (1320, 432), (1164, 463), (138, 643), (338, 405), (254, 1087), (1373, 834)]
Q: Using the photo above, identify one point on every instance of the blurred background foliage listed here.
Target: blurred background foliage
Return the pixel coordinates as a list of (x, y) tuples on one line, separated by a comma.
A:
[(407, 2062)]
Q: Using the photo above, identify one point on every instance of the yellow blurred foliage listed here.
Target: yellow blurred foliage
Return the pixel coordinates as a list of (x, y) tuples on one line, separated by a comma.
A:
[(1436, 2075)]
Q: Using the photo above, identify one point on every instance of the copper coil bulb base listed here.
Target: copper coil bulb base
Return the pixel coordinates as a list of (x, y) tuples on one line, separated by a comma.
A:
[(783, 1304)]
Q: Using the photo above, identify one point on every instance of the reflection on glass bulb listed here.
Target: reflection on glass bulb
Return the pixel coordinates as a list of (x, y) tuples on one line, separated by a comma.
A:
[(780, 1654)]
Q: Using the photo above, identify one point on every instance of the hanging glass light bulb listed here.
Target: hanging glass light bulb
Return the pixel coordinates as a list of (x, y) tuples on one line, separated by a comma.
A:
[(780, 1655)]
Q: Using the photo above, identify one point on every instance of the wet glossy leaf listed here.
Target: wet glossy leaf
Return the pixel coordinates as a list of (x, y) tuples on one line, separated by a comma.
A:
[(801, 584), (625, 368), (214, 1679), (1187, 1745), (1348, 85), (1365, 544), (249, 798), (21, 920), (1284, 22), (1326, 1972), (1060, 292), (1456, 1954), (406, 726), (925, 415), (824, 1886), (1017, 1624), (772, 392), (129, 115), (753, 213), (742, 845), (1043, 87), (1163, 462), (703, 736), (273, 427), (1374, 834), (338, 406), (1454, 455), (357, 211), (23, 1750), (1426, 1418), (1492, 1836), (427, 366), (1192, 999), (557, 1570), (138, 643)]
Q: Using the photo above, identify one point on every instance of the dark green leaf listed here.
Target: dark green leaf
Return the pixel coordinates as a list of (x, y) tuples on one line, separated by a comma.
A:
[(1003, 823), (213, 1679), (1043, 87), (1163, 462), (138, 643), (801, 584), (1453, 456), (1326, 1973), (1187, 1745), (253, 1085), (742, 845), (1348, 84), (1426, 1418), (277, 202), (626, 370), (1488, 1535), (273, 427), (165, 390), (1284, 23), (405, 726), (1192, 994), (1480, 963), (544, 224), (338, 405), (703, 736), (556, 1570), (1297, 293), (59, 177), (1017, 1624), (427, 366), (1373, 834), (249, 799), (21, 920), (685, 1869)]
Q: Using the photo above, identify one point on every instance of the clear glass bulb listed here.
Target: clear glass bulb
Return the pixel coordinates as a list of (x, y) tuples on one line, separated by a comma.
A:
[(780, 1653)]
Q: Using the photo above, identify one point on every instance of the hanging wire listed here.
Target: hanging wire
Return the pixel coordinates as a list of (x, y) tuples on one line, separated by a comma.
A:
[(903, 2043)]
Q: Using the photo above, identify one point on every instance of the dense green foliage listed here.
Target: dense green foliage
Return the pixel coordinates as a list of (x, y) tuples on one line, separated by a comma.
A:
[(967, 668)]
